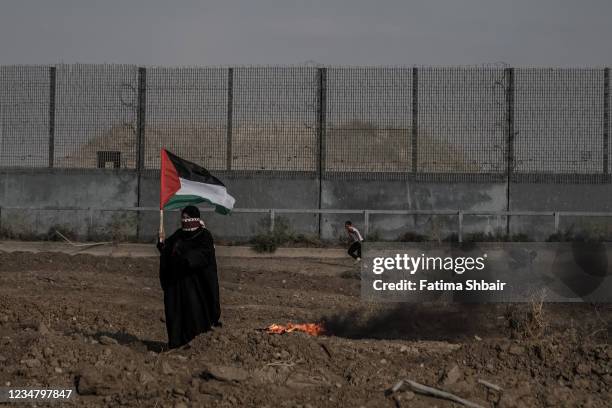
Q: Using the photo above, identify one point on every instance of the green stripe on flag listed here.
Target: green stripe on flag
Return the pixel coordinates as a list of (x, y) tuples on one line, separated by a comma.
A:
[(180, 201)]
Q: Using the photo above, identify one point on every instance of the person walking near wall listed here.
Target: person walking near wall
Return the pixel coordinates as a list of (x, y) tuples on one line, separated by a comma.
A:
[(355, 240)]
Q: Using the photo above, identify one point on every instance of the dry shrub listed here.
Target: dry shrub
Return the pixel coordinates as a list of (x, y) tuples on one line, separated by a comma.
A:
[(527, 321)]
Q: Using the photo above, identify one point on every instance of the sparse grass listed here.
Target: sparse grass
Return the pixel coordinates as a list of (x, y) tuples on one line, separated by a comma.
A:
[(497, 237), (454, 237), (121, 227), (473, 237), (9, 234), (351, 274), (266, 242), (568, 235), (488, 237), (52, 234), (374, 236), (527, 321), (412, 237), (282, 234), (16, 226), (308, 241)]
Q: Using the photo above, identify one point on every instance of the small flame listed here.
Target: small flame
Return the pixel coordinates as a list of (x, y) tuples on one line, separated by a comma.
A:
[(314, 329)]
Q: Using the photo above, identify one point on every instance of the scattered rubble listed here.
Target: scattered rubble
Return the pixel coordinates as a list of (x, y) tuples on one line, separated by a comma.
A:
[(225, 373), (114, 349), (107, 341)]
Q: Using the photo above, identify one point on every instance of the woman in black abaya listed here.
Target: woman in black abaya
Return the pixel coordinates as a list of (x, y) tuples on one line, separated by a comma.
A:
[(188, 277)]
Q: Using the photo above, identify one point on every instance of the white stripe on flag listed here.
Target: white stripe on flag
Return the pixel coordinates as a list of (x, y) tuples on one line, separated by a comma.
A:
[(215, 193)]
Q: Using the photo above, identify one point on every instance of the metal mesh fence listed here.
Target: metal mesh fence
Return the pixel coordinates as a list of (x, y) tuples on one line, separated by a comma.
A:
[(186, 113), (559, 120), (461, 120), (95, 116), (374, 122), (24, 116), (368, 120), (274, 119)]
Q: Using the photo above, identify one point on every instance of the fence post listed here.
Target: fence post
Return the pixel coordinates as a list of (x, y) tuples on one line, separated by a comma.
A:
[(509, 140), (52, 76), (556, 222), (140, 139), (460, 233), (140, 132), (606, 123), (366, 221), (90, 229), (322, 96), (230, 115), (321, 127), (415, 118), (272, 220)]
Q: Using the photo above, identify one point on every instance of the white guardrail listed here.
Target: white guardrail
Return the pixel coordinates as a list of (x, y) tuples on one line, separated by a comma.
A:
[(366, 213)]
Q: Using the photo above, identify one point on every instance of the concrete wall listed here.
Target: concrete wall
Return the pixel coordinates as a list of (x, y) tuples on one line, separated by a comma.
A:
[(48, 188), (411, 195), (560, 197), (109, 188), (114, 189)]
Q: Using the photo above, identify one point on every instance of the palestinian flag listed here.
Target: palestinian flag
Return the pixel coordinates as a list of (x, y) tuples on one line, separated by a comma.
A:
[(184, 183)]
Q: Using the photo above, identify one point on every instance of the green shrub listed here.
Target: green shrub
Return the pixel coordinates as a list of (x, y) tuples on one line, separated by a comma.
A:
[(282, 234), (412, 237), (268, 241), (374, 236), (52, 233), (488, 237), (584, 236), (308, 240), (561, 236), (265, 242), (453, 237)]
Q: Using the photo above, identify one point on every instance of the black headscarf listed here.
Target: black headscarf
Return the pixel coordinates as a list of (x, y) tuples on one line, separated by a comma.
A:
[(192, 211), (190, 219)]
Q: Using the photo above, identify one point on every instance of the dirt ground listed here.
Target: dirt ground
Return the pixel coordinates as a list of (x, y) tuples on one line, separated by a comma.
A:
[(97, 322)]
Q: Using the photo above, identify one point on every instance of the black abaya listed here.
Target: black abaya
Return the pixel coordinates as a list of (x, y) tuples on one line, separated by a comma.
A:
[(188, 276)]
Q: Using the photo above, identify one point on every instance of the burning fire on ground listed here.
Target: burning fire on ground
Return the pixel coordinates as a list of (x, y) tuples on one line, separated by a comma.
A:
[(314, 329)]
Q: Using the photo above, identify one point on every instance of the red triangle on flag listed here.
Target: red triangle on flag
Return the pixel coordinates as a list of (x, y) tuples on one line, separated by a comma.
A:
[(170, 182)]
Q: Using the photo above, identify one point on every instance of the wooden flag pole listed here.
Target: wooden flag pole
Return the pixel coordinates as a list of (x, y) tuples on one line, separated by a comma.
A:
[(161, 226)]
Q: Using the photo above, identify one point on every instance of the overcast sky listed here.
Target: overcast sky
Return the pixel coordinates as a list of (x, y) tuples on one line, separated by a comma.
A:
[(355, 32)]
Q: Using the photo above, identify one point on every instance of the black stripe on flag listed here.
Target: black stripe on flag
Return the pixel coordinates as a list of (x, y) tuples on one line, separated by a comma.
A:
[(191, 171)]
